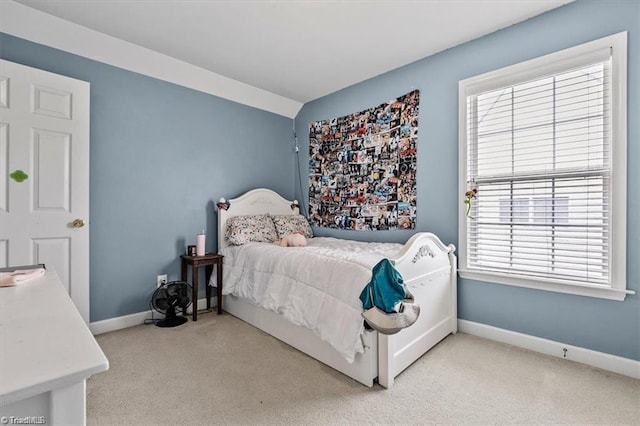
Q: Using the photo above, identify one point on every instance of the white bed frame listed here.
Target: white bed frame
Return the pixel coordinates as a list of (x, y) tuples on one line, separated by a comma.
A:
[(429, 270)]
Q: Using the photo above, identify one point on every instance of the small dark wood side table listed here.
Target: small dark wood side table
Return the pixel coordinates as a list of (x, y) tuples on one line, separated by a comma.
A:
[(208, 260)]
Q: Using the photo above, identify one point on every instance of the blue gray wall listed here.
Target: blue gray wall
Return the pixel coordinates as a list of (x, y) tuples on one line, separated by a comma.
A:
[(602, 325), (160, 156)]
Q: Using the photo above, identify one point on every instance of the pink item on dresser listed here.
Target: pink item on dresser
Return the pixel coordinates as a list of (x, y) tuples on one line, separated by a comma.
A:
[(17, 277)]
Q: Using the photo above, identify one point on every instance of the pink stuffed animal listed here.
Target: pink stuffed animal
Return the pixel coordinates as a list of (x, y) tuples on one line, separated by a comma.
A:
[(293, 240)]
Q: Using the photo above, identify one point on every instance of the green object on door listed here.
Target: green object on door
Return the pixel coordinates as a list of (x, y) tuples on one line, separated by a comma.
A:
[(19, 176)]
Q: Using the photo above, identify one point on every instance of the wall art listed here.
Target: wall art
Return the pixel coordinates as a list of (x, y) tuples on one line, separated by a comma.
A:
[(362, 168)]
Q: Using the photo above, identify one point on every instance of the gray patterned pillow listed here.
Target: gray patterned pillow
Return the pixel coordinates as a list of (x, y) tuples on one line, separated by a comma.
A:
[(290, 224), (250, 228)]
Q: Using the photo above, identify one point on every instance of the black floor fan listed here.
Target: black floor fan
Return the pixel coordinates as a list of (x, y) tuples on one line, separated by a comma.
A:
[(170, 298)]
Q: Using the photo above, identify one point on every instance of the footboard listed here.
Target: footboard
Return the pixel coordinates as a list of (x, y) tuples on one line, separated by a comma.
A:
[(429, 271)]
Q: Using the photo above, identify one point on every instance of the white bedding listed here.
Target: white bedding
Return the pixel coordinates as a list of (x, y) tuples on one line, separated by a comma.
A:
[(317, 286)]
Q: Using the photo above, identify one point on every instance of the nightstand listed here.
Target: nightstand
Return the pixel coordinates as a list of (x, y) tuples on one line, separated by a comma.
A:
[(208, 260)]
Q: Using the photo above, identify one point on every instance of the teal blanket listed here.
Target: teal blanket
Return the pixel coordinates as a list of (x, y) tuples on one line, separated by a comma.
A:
[(386, 288)]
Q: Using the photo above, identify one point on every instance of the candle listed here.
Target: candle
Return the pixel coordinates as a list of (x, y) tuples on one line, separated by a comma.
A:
[(200, 239)]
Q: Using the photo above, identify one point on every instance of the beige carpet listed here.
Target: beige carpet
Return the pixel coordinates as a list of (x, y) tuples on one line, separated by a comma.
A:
[(220, 370)]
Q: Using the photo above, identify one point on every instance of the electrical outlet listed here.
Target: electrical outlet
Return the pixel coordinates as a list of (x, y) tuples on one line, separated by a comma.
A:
[(161, 279)]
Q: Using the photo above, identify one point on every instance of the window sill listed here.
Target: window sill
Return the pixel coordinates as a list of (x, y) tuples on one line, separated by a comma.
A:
[(555, 286)]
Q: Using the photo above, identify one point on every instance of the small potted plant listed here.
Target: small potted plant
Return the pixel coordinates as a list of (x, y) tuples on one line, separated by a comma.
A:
[(469, 196)]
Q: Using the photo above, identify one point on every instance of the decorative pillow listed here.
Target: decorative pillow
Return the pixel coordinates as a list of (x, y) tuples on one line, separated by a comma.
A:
[(250, 228), (290, 224)]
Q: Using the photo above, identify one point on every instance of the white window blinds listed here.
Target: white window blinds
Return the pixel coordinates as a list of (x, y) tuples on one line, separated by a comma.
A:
[(540, 161), (538, 141)]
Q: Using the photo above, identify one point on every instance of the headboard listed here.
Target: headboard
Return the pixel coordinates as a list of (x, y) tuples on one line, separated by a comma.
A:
[(256, 201)]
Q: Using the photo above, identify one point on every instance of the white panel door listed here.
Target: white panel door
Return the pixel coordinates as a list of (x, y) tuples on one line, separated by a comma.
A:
[(44, 175)]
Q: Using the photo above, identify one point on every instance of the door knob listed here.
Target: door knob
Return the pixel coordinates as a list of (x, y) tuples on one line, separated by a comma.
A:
[(78, 223)]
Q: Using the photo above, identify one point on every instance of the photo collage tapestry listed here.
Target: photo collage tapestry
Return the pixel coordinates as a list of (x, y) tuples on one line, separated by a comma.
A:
[(362, 168)]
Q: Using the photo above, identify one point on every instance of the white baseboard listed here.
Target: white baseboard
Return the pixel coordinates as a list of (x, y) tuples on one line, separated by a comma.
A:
[(118, 323), (616, 364)]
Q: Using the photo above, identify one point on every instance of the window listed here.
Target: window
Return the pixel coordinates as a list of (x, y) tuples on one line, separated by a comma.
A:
[(544, 143), (537, 209)]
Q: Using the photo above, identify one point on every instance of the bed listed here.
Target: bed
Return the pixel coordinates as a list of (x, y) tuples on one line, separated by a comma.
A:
[(427, 265)]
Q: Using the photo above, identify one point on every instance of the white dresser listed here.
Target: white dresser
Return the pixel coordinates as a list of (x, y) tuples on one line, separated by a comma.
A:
[(46, 355)]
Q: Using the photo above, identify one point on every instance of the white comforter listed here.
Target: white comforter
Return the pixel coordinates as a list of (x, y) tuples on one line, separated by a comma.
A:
[(317, 286)]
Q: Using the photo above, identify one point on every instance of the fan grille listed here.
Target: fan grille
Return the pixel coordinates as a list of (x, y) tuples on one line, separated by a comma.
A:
[(168, 299)]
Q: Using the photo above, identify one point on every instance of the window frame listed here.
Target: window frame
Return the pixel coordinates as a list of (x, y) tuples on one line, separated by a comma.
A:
[(555, 63)]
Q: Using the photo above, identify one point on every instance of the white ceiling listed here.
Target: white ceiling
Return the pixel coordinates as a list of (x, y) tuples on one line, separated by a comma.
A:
[(301, 49)]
